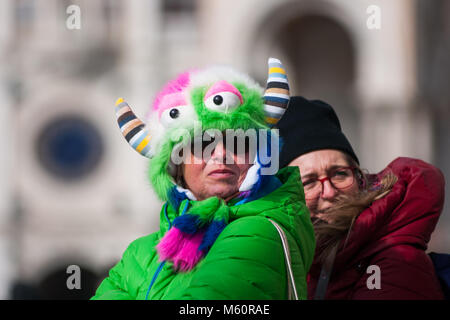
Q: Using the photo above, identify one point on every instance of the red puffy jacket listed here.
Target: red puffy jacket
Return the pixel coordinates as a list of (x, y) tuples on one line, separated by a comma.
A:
[(392, 234)]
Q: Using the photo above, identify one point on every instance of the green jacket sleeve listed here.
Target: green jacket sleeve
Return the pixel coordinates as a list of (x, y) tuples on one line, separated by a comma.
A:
[(246, 262), (114, 287), (126, 276)]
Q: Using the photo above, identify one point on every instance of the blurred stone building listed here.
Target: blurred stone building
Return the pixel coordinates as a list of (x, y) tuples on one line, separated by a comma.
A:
[(72, 192)]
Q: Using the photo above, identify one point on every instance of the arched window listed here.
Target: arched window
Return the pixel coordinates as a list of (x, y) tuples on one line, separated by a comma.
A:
[(321, 59)]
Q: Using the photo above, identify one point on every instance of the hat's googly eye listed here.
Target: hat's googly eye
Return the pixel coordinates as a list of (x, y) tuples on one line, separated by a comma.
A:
[(223, 102), (218, 99), (175, 115)]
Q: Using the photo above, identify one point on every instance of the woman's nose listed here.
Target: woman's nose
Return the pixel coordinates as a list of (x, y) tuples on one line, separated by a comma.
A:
[(328, 191), (219, 153)]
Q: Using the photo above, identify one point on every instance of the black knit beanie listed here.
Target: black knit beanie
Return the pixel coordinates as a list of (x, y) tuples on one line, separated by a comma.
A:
[(310, 125)]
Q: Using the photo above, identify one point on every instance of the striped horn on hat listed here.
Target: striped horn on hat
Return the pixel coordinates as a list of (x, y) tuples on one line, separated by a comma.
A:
[(133, 129), (276, 96)]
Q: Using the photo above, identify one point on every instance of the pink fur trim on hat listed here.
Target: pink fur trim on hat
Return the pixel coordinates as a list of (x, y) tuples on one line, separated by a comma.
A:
[(173, 86), (223, 86), (171, 100)]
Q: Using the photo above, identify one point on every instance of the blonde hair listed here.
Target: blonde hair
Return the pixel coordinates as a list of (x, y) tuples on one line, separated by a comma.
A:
[(346, 208)]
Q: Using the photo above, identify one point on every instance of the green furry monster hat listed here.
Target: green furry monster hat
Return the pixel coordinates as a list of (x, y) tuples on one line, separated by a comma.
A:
[(216, 98)]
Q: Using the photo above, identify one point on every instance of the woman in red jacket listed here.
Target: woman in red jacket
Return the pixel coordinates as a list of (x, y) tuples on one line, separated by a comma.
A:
[(372, 230)]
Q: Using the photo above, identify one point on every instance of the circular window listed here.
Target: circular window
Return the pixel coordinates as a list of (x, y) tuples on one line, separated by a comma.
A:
[(69, 147)]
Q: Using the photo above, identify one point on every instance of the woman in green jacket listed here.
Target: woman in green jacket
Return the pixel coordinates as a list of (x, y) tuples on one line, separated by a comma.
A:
[(225, 203)]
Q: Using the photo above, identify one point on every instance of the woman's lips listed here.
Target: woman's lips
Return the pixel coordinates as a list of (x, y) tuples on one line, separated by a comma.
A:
[(221, 173)]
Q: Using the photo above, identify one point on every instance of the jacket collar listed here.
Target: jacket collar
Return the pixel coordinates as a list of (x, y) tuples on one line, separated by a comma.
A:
[(290, 190)]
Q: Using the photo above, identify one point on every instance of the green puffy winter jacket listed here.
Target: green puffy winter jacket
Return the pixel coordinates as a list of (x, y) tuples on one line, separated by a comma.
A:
[(245, 262)]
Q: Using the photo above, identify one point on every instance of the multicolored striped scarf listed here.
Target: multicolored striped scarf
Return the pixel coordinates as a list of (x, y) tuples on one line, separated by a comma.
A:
[(197, 228)]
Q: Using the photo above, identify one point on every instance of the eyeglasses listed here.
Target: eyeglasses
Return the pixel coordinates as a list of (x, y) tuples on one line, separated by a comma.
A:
[(239, 145), (340, 178)]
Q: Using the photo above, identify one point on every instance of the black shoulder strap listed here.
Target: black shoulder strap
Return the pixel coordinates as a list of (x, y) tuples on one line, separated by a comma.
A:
[(325, 274)]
